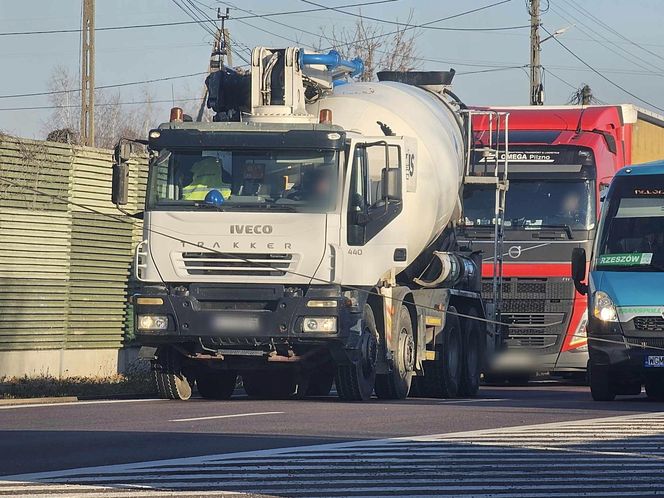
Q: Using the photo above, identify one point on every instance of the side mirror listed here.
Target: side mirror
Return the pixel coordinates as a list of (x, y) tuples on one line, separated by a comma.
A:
[(391, 184), (579, 270), (120, 189), (120, 192)]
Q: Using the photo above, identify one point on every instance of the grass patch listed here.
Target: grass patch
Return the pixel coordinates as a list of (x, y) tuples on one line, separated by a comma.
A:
[(138, 383)]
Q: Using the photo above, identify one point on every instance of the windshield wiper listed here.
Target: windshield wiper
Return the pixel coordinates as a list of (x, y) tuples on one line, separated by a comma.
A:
[(566, 228), (262, 205), (209, 205)]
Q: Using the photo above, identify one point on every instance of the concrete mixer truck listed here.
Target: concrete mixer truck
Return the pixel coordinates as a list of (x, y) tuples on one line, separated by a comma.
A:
[(306, 237)]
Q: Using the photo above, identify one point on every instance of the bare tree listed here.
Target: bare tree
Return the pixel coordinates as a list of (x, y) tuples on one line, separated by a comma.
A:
[(583, 96), (380, 49), (113, 120)]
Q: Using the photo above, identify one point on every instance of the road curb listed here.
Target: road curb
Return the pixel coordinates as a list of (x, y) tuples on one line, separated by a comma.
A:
[(34, 401)]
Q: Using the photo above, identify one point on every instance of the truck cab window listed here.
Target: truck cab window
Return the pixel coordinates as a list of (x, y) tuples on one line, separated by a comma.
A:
[(369, 210)]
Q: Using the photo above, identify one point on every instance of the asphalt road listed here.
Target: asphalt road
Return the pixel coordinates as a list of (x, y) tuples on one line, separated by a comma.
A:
[(83, 434)]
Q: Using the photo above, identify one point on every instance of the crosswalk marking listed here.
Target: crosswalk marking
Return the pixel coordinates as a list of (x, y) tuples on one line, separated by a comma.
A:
[(614, 456)]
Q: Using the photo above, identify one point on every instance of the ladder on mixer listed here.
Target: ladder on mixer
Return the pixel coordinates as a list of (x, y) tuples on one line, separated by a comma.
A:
[(489, 165)]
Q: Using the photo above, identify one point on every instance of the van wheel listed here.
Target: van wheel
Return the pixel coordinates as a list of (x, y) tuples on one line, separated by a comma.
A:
[(269, 384), (471, 365), (655, 388), (600, 385), (396, 384), (215, 384), (168, 376), (355, 381), (442, 375)]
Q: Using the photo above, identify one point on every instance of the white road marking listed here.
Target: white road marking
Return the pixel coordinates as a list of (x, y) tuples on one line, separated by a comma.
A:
[(78, 403), (612, 456), (235, 415), (470, 400)]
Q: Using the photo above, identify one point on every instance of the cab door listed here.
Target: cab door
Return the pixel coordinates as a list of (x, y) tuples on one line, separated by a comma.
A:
[(377, 179)]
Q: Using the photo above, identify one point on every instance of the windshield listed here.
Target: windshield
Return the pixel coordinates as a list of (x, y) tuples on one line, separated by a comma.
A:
[(534, 203), (632, 234), (298, 180)]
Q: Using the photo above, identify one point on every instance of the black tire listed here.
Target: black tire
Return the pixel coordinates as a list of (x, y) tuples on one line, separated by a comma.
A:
[(396, 384), (269, 384), (168, 375), (442, 375), (320, 382), (216, 384), (355, 381), (471, 366), (600, 384), (655, 388)]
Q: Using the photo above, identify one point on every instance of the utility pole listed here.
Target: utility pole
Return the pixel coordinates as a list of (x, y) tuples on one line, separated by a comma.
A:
[(221, 48), (87, 130), (536, 86)]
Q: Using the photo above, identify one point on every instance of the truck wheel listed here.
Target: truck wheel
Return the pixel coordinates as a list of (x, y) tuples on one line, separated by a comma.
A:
[(269, 384), (396, 384), (600, 385), (355, 381), (655, 388), (168, 376), (471, 365), (442, 375), (216, 384)]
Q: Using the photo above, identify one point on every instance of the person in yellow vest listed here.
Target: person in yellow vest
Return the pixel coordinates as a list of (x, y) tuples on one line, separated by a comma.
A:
[(206, 176)]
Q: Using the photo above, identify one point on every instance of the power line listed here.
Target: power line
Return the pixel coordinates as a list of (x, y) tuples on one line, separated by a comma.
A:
[(397, 23), (181, 23), (103, 87), (416, 26), (598, 73), (107, 104), (612, 30)]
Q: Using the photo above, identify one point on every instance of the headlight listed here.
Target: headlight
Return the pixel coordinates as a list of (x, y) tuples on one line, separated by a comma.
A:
[(603, 307), (152, 322), (322, 304), (319, 324)]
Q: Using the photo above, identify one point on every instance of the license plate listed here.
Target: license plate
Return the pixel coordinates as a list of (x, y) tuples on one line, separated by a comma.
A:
[(654, 362), (235, 323)]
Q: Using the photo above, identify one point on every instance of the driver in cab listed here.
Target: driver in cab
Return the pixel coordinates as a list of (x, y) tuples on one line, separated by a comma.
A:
[(206, 176)]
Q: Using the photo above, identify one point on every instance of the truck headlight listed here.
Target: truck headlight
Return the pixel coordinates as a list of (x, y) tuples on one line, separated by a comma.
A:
[(603, 307), (319, 324), (152, 322)]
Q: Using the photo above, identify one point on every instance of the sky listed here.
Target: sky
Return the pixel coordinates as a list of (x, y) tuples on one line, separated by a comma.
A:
[(624, 44)]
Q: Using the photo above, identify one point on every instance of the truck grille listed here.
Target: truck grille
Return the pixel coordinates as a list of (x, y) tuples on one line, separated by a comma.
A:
[(650, 342), (531, 341), (651, 323), (237, 264)]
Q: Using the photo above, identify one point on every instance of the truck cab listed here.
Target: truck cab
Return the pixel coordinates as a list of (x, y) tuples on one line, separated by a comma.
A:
[(625, 287)]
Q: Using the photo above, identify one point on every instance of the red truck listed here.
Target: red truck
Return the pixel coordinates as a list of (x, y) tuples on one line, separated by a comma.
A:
[(561, 161)]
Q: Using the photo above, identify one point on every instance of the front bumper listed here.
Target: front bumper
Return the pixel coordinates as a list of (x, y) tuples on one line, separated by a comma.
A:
[(609, 346), (247, 316)]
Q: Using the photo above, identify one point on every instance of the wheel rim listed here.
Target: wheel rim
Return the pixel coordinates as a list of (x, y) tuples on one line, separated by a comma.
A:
[(369, 354), (407, 356)]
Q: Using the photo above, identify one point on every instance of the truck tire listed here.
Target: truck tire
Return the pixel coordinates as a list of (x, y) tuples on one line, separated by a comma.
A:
[(216, 384), (442, 375), (169, 378), (655, 388), (471, 366), (396, 384), (355, 381), (269, 384), (600, 384)]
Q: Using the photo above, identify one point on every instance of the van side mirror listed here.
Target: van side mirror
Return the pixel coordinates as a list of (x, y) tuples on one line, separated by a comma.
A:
[(579, 270), (120, 189), (390, 179)]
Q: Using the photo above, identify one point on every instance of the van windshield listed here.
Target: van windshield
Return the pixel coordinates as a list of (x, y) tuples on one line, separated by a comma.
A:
[(632, 234), (294, 180)]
